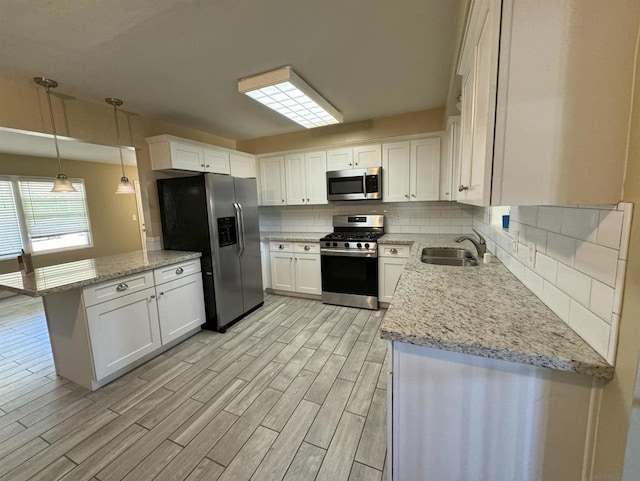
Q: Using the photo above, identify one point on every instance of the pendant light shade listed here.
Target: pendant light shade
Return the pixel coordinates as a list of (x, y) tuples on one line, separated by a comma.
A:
[(124, 186), (61, 182)]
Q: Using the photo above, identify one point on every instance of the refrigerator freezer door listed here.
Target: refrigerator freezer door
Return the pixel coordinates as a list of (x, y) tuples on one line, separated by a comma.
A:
[(227, 277), (250, 260)]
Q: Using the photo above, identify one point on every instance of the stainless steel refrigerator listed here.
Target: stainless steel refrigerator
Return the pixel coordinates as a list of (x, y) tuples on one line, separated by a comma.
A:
[(217, 215)]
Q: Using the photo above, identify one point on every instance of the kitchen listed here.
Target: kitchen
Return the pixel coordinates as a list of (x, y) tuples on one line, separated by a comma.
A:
[(84, 117)]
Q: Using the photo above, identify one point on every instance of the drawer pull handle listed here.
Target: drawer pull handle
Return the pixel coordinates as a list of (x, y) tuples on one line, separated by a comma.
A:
[(179, 270), (122, 287), (394, 251), (280, 246), (307, 248)]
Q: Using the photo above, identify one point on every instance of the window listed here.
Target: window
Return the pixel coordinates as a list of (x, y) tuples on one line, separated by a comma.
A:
[(38, 220)]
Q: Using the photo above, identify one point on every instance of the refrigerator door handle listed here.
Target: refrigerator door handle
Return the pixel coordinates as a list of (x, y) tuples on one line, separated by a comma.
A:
[(242, 228), (238, 228)]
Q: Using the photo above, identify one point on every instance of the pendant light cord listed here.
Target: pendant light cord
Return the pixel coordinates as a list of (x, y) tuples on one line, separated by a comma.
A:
[(53, 127), (115, 113)]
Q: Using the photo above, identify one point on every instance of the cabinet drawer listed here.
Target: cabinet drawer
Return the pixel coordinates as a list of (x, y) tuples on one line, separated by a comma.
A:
[(176, 271), (113, 289), (389, 250), (281, 247), (307, 247)]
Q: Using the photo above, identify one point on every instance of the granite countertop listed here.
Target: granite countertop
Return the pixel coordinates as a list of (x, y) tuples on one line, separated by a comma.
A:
[(73, 275), (292, 236), (484, 311)]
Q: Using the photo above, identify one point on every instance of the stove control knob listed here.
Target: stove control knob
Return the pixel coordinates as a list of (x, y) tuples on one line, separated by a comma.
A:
[(366, 246), (327, 244), (359, 245), (346, 244), (335, 244)]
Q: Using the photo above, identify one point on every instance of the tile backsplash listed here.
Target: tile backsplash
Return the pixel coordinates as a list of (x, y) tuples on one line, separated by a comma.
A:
[(578, 265), (412, 218)]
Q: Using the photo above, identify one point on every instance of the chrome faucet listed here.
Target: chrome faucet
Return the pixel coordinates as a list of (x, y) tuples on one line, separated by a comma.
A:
[(480, 245)]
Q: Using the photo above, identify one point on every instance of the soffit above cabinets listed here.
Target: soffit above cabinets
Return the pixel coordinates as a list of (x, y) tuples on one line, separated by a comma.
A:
[(182, 59)]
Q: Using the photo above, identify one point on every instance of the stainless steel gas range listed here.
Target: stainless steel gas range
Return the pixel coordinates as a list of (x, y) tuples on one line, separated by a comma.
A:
[(349, 258)]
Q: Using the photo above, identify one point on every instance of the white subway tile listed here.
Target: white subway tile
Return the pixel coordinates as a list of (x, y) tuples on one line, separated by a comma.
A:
[(517, 268), (410, 229), (601, 300), (450, 229), (597, 261), (441, 221), (522, 254), (537, 236), (525, 214), (550, 218), (557, 300), (625, 235), (420, 221), (619, 289), (460, 221), (393, 229), (590, 328), (561, 248), (533, 281), (610, 228), (430, 229), (546, 267), (580, 223), (574, 283)]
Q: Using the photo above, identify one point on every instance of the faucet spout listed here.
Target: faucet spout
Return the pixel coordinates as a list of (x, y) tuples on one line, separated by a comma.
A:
[(480, 244)]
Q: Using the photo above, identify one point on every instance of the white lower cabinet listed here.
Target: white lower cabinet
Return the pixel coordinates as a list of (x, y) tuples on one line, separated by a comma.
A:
[(296, 267), (123, 330), (180, 307), (391, 262), (454, 416)]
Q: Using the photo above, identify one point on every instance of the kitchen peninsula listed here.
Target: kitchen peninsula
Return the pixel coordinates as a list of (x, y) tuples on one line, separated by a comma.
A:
[(107, 315)]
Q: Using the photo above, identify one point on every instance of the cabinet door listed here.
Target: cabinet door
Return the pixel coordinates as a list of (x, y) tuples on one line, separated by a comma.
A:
[(389, 271), (295, 179), (450, 160), (187, 157), (180, 307), (425, 169), (282, 271), (316, 177), (338, 159), (367, 156), (216, 161), (122, 331), (272, 182), (308, 277), (396, 165), (242, 166)]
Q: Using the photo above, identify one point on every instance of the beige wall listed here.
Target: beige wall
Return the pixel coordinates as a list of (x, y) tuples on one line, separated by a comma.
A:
[(335, 135), (618, 394), (113, 229), (24, 107)]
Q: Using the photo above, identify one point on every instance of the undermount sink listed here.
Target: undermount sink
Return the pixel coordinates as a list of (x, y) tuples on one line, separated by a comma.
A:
[(448, 256)]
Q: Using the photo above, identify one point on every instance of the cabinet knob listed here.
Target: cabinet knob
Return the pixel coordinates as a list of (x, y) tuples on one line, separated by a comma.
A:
[(283, 201), (406, 195), (179, 270), (208, 165), (201, 165), (307, 200), (162, 293), (152, 296), (463, 187), (446, 193), (303, 201), (307, 248), (122, 287), (394, 251), (280, 246), (413, 195)]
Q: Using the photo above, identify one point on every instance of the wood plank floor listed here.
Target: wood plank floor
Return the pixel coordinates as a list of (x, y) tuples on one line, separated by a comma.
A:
[(295, 392)]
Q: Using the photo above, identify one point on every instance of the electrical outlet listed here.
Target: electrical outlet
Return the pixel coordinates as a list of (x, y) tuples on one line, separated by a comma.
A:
[(397, 216), (532, 254), (514, 246), (134, 217)]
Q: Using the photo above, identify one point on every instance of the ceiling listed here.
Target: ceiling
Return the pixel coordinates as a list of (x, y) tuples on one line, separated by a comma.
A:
[(181, 59)]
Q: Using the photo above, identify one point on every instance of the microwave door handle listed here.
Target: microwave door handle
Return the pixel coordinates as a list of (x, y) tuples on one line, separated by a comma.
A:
[(364, 185)]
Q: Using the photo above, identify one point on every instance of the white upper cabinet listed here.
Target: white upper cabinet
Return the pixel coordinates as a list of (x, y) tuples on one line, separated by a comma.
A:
[(360, 157), (272, 180), (295, 179), (450, 160), (173, 153), (316, 177), (411, 170), (558, 98), (304, 178)]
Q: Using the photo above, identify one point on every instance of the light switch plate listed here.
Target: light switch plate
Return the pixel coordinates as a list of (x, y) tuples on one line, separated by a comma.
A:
[(532, 254)]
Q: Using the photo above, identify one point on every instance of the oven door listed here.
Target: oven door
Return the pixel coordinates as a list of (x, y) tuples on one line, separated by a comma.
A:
[(350, 281)]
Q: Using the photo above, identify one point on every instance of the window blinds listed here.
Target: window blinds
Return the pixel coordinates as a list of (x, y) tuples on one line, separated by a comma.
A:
[(10, 239), (52, 213)]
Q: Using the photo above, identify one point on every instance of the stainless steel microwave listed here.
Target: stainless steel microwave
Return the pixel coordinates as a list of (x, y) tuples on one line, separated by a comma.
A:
[(355, 184)]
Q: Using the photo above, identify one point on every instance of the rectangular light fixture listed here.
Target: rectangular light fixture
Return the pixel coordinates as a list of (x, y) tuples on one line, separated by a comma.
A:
[(285, 92)]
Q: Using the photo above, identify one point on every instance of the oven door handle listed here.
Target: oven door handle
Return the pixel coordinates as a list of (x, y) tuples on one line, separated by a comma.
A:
[(347, 253)]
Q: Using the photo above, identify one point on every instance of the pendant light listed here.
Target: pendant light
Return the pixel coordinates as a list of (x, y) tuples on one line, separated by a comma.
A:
[(61, 182), (124, 186)]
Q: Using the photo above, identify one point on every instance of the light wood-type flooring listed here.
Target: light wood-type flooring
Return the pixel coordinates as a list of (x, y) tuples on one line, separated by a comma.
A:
[(295, 392)]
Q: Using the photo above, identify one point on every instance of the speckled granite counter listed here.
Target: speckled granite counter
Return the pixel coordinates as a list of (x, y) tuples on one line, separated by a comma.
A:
[(483, 311), (72, 275), (292, 236)]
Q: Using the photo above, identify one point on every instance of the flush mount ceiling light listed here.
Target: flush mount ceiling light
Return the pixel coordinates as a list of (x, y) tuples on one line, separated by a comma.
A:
[(286, 93), (124, 186), (61, 182)]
